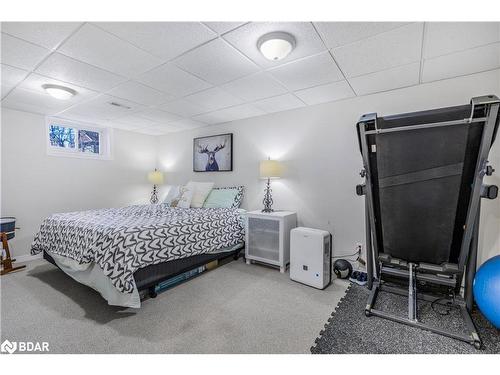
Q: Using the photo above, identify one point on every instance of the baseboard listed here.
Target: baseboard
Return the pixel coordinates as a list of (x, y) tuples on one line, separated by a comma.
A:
[(27, 258)]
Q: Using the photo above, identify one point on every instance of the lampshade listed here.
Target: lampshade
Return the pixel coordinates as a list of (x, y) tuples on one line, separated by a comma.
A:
[(270, 169), (155, 177)]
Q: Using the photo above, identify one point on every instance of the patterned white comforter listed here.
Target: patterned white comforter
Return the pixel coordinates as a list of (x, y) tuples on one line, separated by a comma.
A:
[(122, 240)]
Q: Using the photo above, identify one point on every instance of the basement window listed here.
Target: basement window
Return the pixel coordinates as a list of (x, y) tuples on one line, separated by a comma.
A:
[(72, 139)]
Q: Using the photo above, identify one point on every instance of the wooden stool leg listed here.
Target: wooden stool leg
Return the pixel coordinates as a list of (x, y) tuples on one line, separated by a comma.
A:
[(7, 262)]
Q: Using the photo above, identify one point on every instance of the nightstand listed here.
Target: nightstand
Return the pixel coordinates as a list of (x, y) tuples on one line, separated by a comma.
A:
[(268, 237)]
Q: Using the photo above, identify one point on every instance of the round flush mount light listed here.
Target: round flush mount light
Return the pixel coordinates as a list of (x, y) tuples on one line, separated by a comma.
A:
[(276, 46), (59, 92)]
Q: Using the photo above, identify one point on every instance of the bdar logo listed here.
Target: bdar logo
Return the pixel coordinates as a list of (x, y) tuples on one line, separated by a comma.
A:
[(8, 347), (24, 346)]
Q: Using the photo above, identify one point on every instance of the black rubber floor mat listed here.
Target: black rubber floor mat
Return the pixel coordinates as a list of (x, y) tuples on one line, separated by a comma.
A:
[(349, 331)]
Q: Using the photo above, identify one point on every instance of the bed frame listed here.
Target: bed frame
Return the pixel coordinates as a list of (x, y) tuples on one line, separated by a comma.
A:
[(147, 278)]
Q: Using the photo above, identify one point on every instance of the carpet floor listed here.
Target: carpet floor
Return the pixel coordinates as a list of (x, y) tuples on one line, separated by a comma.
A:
[(350, 331), (235, 308)]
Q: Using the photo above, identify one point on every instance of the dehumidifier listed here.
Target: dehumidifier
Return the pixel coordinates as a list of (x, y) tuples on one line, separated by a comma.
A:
[(311, 257)]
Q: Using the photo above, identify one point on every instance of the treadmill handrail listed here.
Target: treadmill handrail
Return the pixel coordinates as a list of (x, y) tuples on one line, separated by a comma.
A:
[(429, 125), (487, 137)]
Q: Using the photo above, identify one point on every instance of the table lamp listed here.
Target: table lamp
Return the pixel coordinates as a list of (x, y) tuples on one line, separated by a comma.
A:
[(270, 169), (156, 178)]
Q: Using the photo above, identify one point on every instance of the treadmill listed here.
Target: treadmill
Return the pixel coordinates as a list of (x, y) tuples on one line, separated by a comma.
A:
[(423, 185)]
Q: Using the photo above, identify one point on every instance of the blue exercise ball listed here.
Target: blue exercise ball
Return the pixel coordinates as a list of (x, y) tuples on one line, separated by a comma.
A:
[(486, 289)]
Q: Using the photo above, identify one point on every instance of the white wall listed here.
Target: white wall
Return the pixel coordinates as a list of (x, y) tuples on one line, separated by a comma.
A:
[(317, 145), (319, 148), (35, 185)]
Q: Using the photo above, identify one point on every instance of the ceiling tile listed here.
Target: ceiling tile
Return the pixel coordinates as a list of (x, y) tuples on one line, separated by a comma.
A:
[(103, 107), (94, 46), (242, 111), (135, 121), (165, 40), (212, 118), (45, 34), (34, 101), (325, 93), (394, 78), (172, 80), (223, 27), (216, 62), (246, 37), (445, 37), (230, 114), (139, 93), (30, 96), (213, 99), (256, 86), (34, 83), (185, 124), (21, 54), (397, 47), (11, 77), (182, 107), (310, 71), (279, 103), (461, 63), (336, 34), (66, 69), (158, 116)]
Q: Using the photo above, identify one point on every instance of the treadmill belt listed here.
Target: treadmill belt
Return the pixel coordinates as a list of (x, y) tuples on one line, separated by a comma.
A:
[(419, 180)]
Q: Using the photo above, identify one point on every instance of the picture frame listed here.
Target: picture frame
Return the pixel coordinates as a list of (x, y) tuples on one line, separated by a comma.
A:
[(213, 153)]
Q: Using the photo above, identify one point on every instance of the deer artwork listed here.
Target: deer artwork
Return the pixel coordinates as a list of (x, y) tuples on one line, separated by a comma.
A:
[(211, 162)]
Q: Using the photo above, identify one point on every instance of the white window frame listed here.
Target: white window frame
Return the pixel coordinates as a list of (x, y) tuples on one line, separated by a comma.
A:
[(105, 140)]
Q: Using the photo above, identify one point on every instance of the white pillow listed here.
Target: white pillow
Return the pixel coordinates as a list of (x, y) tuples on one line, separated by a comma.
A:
[(201, 191), (172, 194), (186, 198)]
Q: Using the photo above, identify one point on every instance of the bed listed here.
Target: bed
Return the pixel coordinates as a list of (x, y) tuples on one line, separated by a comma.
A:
[(121, 252)]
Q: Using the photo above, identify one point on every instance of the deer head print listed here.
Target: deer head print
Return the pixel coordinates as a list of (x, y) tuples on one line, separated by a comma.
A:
[(211, 162)]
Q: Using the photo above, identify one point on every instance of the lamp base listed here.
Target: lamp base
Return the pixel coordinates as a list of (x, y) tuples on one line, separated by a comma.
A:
[(154, 196), (268, 198)]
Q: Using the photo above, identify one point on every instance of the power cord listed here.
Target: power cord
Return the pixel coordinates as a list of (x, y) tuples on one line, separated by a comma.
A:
[(447, 306), (357, 254)]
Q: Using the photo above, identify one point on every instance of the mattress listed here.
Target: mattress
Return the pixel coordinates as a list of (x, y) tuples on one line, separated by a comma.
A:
[(120, 241)]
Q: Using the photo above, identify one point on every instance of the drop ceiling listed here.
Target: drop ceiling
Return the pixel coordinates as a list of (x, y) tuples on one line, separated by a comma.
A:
[(174, 76)]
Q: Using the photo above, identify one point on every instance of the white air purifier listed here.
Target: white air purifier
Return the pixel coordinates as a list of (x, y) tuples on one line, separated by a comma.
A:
[(310, 257)]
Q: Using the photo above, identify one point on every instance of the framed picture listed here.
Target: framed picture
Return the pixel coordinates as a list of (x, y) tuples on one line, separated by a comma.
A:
[(213, 153)]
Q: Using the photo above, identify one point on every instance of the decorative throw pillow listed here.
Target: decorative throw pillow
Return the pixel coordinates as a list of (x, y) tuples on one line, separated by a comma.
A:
[(173, 194), (200, 192), (186, 198), (228, 197)]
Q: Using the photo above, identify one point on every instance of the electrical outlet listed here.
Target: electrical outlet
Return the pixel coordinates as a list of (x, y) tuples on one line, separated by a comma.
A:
[(359, 247)]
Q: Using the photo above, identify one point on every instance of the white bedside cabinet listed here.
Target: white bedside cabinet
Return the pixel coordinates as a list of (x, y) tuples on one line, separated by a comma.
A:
[(268, 237)]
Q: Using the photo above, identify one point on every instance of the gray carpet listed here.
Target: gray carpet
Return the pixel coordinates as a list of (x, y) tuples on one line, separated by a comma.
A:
[(236, 308), (350, 331)]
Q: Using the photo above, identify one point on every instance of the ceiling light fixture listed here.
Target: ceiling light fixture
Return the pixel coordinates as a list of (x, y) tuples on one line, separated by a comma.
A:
[(59, 92), (276, 46)]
